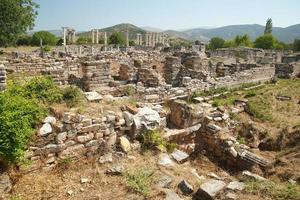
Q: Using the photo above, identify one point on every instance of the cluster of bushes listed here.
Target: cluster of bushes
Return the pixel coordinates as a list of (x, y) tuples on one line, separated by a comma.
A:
[(267, 41), (22, 106), (35, 40)]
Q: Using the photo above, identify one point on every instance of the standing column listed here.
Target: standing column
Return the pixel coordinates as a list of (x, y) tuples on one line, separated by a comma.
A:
[(93, 41), (64, 35), (105, 41), (127, 38), (74, 37), (138, 39), (146, 39), (97, 36)]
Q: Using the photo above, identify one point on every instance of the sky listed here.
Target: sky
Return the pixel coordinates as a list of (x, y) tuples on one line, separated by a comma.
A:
[(164, 14)]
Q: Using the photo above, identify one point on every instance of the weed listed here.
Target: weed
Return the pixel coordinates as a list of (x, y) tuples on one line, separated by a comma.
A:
[(140, 181), (241, 140), (154, 139), (130, 90)]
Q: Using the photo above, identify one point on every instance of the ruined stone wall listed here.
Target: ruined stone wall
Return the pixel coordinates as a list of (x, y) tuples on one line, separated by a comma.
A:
[(251, 54), (95, 74), (72, 137), (2, 77), (171, 69), (288, 70), (259, 74)]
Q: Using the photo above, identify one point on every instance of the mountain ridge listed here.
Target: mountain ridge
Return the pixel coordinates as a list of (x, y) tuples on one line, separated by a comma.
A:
[(287, 34)]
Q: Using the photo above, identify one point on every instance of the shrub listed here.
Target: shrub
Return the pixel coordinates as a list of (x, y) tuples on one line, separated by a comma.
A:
[(24, 40), (154, 139), (47, 48), (117, 38), (46, 37), (43, 89), (72, 95), (140, 181), (216, 43), (18, 116)]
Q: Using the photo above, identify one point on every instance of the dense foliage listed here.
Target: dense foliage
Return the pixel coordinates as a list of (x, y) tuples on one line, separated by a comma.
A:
[(296, 45), (22, 106), (117, 38), (216, 43), (46, 37), (84, 40), (16, 17)]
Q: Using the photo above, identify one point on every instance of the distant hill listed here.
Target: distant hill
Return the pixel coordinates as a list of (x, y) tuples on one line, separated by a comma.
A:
[(287, 34), (132, 29)]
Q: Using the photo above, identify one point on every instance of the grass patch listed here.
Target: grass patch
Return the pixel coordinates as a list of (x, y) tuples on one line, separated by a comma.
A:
[(276, 191), (140, 181), (260, 108)]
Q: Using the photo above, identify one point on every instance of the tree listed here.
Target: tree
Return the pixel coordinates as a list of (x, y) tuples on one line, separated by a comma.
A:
[(47, 38), (131, 43), (16, 17), (265, 42), (243, 40), (84, 40), (269, 26), (117, 38), (216, 43), (24, 40), (296, 45)]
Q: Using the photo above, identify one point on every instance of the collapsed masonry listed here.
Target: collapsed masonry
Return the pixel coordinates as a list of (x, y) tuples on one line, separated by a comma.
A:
[(206, 126)]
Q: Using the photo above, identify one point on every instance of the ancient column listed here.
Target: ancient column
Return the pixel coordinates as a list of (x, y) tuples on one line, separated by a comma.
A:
[(79, 50), (64, 36), (97, 36), (105, 41), (137, 39), (93, 41), (127, 38), (74, 36), (147, 39)]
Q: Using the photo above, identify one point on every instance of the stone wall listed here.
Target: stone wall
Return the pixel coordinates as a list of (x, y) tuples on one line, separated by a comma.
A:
[(171, 69), (2, 77), (95, 74), (74, 136), (288, 70), (251, 54)]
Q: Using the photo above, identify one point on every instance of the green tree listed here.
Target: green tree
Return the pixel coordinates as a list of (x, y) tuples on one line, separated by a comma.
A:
[(131, 43), (269, 27), (24, 40), (84, 40), (243, 40), (117, 38), (47, 37), (296, 45), (216, 43), (16, 17), (267, 41)]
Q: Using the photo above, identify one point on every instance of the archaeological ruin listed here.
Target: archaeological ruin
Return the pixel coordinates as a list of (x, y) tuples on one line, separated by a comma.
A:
[(162, 81)]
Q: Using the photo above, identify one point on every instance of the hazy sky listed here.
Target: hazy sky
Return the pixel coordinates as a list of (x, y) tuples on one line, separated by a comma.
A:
[(164, 14)]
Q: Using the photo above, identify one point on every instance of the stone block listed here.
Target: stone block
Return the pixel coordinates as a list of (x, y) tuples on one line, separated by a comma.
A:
[(209, 190)]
